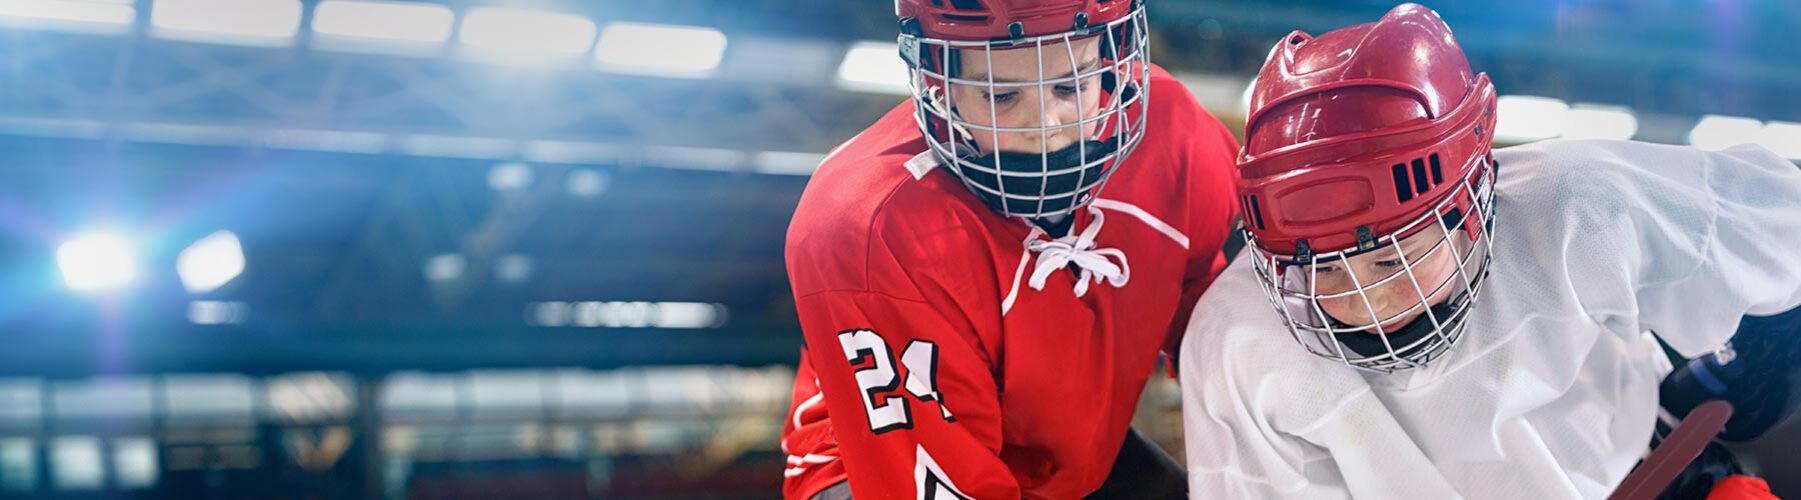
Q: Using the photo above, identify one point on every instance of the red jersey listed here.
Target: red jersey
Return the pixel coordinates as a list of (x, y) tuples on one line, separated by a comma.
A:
[(934, 367)]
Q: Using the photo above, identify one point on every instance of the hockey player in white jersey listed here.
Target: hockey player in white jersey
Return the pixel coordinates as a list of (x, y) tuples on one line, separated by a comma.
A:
[(1474, 323)]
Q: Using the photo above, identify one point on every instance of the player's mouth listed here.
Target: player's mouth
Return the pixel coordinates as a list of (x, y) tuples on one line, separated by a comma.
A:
[(1394, 325), (1032, 184)]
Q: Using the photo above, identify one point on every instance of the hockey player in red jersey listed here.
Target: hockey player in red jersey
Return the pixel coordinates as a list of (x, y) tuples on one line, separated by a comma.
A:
[(986, 275)]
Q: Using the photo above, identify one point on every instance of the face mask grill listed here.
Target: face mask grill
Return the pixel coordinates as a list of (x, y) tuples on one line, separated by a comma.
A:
[(1361, 284)]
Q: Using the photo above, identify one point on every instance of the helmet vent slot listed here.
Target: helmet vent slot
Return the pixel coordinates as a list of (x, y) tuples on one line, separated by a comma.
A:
[(1420, 182), (1253, 211), (1411, 177), (1403, 185), (1438, 176)]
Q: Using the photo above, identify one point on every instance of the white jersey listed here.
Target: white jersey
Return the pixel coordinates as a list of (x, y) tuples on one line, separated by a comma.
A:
[(1552, 391)]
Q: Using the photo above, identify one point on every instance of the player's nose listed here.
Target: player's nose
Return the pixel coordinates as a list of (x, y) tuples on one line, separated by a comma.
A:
[(1040, 114)]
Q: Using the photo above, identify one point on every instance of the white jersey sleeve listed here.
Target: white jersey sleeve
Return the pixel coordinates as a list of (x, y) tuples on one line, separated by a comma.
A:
[(1687, 241)]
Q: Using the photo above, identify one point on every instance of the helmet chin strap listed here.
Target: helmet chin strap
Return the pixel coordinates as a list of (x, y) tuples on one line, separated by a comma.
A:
[(1371, 344)]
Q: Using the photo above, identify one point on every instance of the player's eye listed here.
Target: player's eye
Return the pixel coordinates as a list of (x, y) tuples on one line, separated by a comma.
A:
[(1083, 86), (1325, 269), (1389, 263), (1001, 97)]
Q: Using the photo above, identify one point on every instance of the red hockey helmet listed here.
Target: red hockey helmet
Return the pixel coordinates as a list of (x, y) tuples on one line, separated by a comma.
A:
[(980, 20), (1357, 139), (935, 34)]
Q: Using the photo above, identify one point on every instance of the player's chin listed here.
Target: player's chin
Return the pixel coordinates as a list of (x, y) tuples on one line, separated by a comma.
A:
[(1392, 325)]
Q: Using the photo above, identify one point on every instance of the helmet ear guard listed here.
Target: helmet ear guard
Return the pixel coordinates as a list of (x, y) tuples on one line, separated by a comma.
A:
[(1110, 83)]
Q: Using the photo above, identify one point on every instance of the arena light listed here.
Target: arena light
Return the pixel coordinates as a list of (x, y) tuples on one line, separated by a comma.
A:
[(1525, 118), (445, 146), (247, 22), (689, 315), (551, 314), (1716, 132), (580, 152), (445, 267), (1783, 138), (873, 67), (19, 455), (108, 16), (96, 261), (335, 141), (626, 314), (211, 262), (510, 176), (391, 21), (216, 312), (781, 60), (76, 463), (614, 314), (526, 31), (660, 50), (696, 158), (513, 268), (787, 163), (1595, 121), (584, 183), (134, 462)]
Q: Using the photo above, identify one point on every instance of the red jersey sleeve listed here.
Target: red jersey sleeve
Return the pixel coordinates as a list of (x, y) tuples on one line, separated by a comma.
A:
[(909, 405), (1210, 154), (807, 439)]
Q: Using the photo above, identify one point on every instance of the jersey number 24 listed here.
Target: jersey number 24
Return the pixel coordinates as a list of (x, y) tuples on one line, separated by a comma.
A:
[(873, 364)]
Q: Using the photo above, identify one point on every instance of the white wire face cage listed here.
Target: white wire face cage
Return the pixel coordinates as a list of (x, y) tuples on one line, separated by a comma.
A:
[(1054, 184), (1294, 285)]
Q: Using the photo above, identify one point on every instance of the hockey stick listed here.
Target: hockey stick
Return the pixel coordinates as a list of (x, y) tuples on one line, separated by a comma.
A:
[(1676, 451)]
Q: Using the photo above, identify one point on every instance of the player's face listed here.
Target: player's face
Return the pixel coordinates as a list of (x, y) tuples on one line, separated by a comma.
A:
[(1433, 265), (1047, 105)]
